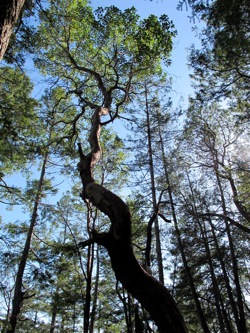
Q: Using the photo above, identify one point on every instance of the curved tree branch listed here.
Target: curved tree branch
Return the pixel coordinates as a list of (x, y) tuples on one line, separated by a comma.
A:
[(232, 221)]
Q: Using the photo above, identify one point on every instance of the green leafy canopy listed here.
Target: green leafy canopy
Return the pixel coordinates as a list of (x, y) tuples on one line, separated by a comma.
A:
[(19, 122), (107, 48)]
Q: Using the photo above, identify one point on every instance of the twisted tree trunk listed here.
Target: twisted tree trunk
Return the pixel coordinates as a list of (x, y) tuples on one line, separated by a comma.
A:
[(152, 294)]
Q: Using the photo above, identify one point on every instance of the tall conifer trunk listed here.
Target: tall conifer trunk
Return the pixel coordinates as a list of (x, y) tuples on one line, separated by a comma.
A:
[(240, 319), (179, 240), (223, 319), (153, 191), (19, 294), (95, 295), (89, 270), (224, 271), (53, 317)]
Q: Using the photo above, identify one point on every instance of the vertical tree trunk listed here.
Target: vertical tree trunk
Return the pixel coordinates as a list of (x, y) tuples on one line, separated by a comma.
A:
[(241, 320), (219, 304), (19, 294), (232, 302), (200, 312), (87, 303), (9, 13), (217, 296), (53, 318), (95, 296), (127, 306), (90, 259), (5, 322), (153, 192), (74, 318)]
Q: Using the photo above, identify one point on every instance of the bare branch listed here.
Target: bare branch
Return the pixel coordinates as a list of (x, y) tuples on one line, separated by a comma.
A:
[(232, 221)]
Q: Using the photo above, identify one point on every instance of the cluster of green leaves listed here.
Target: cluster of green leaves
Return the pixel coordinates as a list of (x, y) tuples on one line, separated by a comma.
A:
[(221, 66), (19, 121), (153, 38)]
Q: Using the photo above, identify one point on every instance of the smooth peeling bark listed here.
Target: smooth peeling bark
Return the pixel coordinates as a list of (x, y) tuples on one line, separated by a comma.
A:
[(151, 293)]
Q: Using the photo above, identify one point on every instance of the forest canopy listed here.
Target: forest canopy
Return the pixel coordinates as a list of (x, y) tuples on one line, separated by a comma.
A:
[(121, 210)]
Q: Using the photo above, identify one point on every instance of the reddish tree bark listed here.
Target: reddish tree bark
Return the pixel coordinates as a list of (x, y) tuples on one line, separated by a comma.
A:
[(9, 13), (152, 294)]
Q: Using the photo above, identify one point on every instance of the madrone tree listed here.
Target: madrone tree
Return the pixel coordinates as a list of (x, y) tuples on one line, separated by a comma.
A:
[(101, 58), (10, 11)]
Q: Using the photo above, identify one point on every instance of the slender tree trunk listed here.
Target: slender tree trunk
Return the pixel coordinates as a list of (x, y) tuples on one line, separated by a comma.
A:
[(19, 294), (214, 280), (127, 306), (95, 296), (241, 320), (56, 298), (74, 318), (225, 274), (87, 303), (219, 304), (9, 13), (53, 318), (139, 327), (153, 192), (88, 296), (130, 310), (200, 312), (35, 319), (6, 321)]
